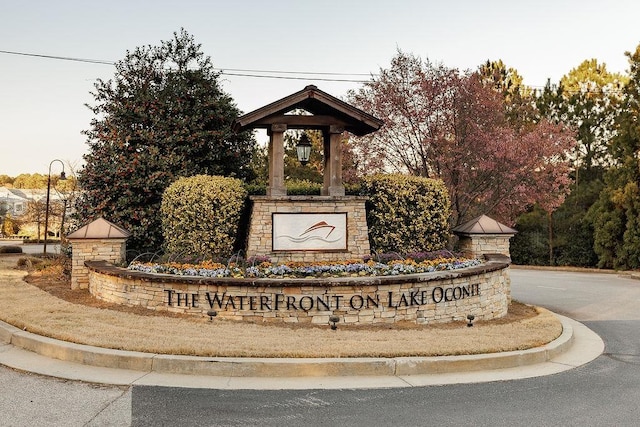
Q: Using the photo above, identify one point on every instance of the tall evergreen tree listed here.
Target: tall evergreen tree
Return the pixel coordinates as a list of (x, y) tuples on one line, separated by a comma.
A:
[(163, 116), (587, 99), (591, 99), (616, 214), (518, 98)]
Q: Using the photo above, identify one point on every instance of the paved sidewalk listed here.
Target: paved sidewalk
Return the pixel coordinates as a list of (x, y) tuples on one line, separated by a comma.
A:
[(25, 351)]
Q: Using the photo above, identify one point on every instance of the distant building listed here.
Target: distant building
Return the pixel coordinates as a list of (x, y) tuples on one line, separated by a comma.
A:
[(14, 202)]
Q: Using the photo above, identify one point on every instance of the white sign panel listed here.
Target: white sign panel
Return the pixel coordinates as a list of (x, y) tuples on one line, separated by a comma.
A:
[(309, 232)]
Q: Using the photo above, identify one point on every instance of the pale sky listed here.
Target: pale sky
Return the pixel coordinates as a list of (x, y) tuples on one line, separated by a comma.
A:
[(42, 111)]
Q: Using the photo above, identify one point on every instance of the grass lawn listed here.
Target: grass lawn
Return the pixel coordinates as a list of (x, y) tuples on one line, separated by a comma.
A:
[(42, 302)]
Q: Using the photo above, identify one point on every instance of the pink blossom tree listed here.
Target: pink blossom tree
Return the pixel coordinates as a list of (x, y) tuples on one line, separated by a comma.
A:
[(441, 123)]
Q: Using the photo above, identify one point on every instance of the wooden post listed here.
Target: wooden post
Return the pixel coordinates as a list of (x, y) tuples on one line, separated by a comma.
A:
[(276, 161), (333, 185)]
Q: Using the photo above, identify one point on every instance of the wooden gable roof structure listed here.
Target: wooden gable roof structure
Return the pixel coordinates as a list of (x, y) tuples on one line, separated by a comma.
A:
[(327, 113), (326, 110)]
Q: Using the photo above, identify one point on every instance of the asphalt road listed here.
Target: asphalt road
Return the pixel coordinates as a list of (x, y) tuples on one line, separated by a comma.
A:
[(32, 248), (605, 392)]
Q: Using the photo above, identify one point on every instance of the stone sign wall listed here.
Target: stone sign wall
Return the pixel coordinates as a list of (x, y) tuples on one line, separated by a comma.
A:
[(482, 291)]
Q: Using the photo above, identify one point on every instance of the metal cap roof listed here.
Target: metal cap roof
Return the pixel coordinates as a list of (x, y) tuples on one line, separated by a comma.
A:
[(100, 229), (483, 225)]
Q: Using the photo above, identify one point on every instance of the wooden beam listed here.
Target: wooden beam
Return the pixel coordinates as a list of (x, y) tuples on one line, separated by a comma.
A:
[(300, 122), (313, 100)]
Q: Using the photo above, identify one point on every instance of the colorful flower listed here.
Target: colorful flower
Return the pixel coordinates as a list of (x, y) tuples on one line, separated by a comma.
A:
[(347, 268)]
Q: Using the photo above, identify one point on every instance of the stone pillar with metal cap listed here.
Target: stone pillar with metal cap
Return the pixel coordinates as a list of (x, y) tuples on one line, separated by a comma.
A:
[(484, 236), (98, 240)]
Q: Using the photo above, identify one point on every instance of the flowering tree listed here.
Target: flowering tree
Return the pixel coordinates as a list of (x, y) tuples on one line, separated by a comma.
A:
[(441, 123), (587, 100)]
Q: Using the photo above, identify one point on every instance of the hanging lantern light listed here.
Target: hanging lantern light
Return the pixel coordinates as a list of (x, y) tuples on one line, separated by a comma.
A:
[(304, 149)]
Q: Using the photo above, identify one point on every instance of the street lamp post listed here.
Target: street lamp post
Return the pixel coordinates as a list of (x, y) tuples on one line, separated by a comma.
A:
[(46, 213)]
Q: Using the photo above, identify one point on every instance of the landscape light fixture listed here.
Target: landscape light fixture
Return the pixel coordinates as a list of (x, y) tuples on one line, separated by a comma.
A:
[(304, 149), (333, 320), (212, 314), (470, 318), (63, 176)]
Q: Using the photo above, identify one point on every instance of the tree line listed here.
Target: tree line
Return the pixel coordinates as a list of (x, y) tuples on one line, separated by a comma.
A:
[(559, 163), (37, 181)]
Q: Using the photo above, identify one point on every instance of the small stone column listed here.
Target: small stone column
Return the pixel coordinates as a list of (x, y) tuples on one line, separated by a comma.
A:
[(484, 236), (98, 240)]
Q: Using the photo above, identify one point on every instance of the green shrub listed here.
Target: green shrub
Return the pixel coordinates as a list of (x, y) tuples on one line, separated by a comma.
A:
[(256, 188), (406, 213), (352, 189), (201, 214), (297, 187), (531, 245), (10, 249)]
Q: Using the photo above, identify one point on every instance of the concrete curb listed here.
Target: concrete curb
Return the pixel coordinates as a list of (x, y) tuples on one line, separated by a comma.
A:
[(281, 367)]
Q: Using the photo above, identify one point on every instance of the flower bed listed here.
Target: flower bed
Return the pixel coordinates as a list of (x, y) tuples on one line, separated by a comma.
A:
[(266, 269)]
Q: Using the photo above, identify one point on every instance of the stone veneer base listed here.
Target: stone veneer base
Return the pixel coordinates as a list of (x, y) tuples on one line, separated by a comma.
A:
[(482, 291), (260, 239)]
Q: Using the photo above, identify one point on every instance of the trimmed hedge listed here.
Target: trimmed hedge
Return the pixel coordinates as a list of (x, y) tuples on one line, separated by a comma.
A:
[(10, 249), (406, 213), (201, 216), (296, 187)]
